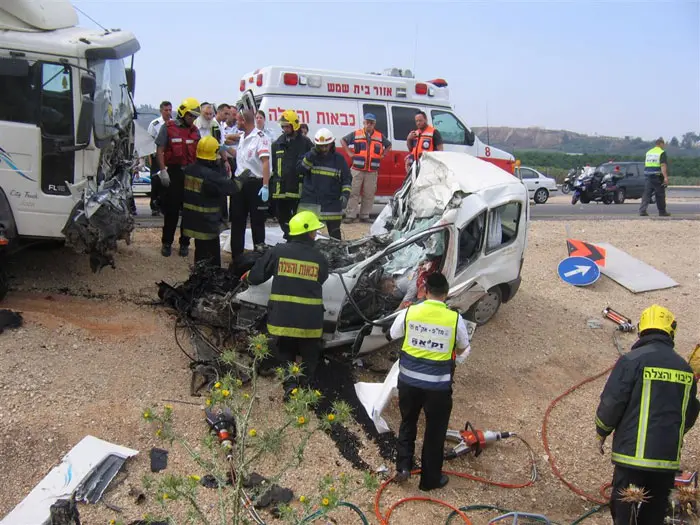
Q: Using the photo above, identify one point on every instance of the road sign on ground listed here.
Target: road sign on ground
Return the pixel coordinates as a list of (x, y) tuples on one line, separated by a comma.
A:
[(586, 249), (579, 271)]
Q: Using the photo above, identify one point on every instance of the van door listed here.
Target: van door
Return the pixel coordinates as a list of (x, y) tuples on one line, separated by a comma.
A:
[(455, 135), (403, 121), (247, 101)]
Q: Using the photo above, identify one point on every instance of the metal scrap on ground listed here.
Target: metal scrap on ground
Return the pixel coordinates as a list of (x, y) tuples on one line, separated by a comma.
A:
[(635, 275)]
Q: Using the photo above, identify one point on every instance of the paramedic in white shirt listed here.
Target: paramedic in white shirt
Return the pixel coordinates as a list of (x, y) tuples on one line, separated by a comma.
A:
[(253, 155), (166, 113), (260, 124)]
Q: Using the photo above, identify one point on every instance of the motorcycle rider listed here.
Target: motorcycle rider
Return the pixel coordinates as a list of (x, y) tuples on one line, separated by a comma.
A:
[(327, 181)]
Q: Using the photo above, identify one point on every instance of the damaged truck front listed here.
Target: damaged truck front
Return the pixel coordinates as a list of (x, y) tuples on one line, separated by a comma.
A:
[(66, 130), (455, 214)]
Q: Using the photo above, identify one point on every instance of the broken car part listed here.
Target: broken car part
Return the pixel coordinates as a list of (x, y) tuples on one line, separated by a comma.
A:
[(64, 479), (92, 487), (159, 459), (624, 323)]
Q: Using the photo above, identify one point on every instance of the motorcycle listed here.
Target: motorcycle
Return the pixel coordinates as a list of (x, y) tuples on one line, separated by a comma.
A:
[(569, 180), (595, 187)]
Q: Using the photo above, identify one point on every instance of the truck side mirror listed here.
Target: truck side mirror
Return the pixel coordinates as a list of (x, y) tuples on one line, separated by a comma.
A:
[(85, 120), (88, 85), (130, 80)]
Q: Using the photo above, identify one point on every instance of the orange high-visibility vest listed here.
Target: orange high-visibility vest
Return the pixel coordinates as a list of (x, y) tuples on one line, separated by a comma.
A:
[(424, 142), (367, 157)]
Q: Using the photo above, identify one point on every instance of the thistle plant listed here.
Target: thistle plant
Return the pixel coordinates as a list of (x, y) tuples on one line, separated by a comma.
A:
[(251, 444)]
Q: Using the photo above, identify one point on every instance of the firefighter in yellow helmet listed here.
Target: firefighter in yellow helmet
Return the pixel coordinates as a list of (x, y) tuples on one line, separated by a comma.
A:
[(650, 402), (205, 183), (176, 148), (287, 151), (295, 309)]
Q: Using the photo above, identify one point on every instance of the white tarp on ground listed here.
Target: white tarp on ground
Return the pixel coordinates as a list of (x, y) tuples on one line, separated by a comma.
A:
[(273, 235), (375, 396), (63, 479), (635, 275)]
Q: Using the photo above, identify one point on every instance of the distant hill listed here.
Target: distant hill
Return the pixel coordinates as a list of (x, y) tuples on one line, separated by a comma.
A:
[(563, 141)]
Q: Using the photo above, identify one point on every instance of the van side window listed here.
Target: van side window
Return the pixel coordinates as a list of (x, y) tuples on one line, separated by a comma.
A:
[(451, 129), (18, 101), (379, 111), (503, 226), (57, 100), (471, 240), (403, 120)]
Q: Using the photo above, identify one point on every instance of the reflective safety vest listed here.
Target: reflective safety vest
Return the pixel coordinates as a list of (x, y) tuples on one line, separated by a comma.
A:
[(182, 144), (427, 355), (298, 269), (367, 157), (652, 162), (424, 142)]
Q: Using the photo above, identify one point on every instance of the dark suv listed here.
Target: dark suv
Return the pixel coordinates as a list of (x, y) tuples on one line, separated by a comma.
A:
[(630, 181)]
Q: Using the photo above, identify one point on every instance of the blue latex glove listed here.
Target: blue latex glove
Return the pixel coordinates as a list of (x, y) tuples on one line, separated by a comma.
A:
[(264, 193)]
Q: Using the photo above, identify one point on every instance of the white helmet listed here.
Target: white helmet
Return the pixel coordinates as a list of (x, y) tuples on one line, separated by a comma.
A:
[(324, 136)]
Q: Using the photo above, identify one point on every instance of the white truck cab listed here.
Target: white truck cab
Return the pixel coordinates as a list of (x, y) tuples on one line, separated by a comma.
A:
[(66, 117), (338, 101)]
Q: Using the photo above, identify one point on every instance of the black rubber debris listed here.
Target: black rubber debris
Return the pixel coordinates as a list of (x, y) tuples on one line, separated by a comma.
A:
[(159, 459)]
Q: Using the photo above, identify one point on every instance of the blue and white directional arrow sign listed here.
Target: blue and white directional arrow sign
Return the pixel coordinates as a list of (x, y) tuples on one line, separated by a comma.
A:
[(578, 271)]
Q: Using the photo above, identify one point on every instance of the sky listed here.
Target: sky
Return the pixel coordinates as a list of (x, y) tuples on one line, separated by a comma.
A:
[(607, 68)]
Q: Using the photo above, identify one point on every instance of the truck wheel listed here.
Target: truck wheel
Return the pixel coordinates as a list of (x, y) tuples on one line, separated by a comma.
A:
[(541, 196), (620, 196), (486, 307)]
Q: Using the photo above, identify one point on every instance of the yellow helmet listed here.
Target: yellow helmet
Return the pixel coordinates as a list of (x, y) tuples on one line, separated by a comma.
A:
[(290, 117), (189, 105), (657, 318), (304, 222), (207, 148)]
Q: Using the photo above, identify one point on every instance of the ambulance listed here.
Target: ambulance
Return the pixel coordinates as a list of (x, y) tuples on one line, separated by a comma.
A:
[(338, 101)]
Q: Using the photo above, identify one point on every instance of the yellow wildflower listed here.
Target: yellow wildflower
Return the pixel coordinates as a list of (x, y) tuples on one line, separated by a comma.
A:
[(301, 420), (332, 489), (217, 385), (159, 432), (295, 369), (246, 396), (294, 391), (331, 417), (239, 383), (112, 522), (194, 477), (225, 393), (252, 432), (318, 393), (147, 415), (208, 402), (325, 502), (168, 407), (302, 499), (166, 495), (258, 346)]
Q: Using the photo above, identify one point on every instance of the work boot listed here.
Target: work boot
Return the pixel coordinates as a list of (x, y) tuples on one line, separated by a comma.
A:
[(444, 480), (166, 250), (184, 250), (365, 219), (643, 214), (664, 214), (402, 475)]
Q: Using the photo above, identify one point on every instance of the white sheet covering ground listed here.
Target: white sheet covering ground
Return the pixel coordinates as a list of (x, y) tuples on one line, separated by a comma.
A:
[(273, 235), (375, 396)]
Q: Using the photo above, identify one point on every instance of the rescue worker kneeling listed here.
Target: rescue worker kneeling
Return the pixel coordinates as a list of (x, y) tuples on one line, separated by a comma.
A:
[(650, 402), (432, 332), (295, 308), (205, 183)]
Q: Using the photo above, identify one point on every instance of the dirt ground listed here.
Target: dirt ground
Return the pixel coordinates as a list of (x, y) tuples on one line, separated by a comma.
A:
[(93, 353)]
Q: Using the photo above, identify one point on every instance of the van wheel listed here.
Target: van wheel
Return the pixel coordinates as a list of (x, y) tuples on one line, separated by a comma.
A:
[(620, 196), (541, 196), (486, 307)]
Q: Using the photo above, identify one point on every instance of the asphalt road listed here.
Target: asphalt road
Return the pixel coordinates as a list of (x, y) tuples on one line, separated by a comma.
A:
[(548, 211)]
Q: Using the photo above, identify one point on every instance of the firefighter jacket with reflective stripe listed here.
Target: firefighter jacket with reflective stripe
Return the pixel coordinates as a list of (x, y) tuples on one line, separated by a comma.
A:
[(295, 307), (326, 178), (652, 162), (205, 183), (286, 175), (367, 157), (424, 142), (649, 402), (427, 355), (182, 144)]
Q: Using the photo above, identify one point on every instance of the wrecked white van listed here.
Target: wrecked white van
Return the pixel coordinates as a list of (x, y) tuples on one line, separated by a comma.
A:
[(456, 214)]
